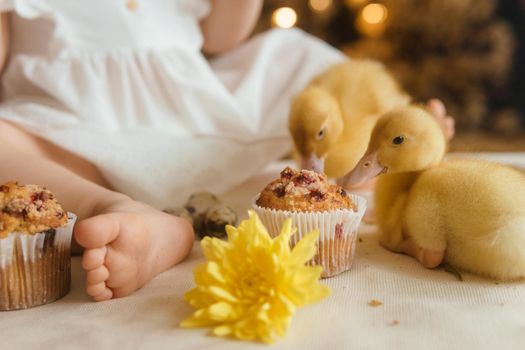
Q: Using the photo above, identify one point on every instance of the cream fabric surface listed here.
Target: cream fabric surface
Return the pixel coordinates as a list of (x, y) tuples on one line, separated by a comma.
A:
[(431, 308)]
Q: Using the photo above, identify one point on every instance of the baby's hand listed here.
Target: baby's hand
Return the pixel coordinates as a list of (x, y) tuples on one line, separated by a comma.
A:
[(438, 110)]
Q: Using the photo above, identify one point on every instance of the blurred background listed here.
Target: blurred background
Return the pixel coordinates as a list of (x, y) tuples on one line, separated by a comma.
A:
[(469, 53)]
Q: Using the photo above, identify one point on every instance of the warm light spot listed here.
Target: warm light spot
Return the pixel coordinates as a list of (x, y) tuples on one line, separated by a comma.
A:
[(371, 21), (320, 5), (284, 17), (374, 13)]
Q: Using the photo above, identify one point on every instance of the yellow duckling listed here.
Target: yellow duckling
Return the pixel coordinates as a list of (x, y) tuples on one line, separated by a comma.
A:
[(469, 213), (332, 118)]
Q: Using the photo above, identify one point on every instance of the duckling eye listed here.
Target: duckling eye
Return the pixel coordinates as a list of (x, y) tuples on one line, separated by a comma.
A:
[(398, 140), (321, 133)]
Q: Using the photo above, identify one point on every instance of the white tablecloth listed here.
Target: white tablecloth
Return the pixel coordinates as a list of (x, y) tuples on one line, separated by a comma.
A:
[(422, 309)]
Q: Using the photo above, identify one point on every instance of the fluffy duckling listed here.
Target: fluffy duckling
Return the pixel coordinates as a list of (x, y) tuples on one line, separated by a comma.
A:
[(469, 213), (331, 119)]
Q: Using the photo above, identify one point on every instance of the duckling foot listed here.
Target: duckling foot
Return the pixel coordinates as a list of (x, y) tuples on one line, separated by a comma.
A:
[(370, 216), (427, 257), (430, 258), (438, 110)]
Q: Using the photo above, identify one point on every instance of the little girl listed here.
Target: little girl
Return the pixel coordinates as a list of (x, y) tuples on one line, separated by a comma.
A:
[(112, 105)]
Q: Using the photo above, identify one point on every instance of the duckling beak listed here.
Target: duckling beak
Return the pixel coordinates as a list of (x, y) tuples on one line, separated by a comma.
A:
[(313, 162), (367, 168)]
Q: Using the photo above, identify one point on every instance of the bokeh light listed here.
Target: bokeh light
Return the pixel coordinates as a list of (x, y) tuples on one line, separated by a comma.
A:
[(320, 5), (284, 17), (374, 13)]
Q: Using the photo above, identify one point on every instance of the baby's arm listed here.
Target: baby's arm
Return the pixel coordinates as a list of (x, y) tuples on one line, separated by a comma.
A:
[(229, 23)]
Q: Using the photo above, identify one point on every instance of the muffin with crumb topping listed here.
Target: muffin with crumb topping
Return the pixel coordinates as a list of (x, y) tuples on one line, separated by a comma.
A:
[(35, 239), (314, 203)]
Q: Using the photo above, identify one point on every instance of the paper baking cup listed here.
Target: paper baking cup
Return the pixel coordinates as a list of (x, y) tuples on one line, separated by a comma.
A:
[(35, 269), (337, 232)]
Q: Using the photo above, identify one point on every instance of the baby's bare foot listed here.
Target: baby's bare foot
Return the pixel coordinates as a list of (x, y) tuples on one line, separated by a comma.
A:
[(438, 110), (127, 245)]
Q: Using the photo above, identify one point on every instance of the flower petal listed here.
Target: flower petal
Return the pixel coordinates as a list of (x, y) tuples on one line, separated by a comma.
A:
[(215, 271), (306, 276), (196, 321), (317, 293), (222, 330), (305, 249), (281, 243), (199, 299), (221, 311), (208, 273), (222, 294), (253, 232), (245, 329), (231, 233), (215, 249), (281, 314)]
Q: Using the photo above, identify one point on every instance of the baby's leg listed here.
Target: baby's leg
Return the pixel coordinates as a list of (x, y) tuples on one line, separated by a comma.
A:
[(126, 243)]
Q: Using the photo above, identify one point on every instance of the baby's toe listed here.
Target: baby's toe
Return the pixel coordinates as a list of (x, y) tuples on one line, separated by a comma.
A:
[(122, 278), (93, 258), (95, 289), (97, 275), (123, 270), (105, 295), (97, 231)]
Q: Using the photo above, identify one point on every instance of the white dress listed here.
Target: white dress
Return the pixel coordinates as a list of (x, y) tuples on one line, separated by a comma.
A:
[(128, 88)]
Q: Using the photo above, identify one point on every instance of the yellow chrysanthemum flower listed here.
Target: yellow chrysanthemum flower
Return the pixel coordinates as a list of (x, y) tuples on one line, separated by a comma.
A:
[(252, 284)]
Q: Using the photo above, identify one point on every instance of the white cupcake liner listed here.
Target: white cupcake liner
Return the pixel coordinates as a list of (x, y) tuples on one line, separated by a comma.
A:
[(337, 232), (35, 269)]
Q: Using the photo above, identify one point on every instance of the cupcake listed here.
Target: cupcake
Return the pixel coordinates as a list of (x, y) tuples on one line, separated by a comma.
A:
[(314, 203), (35, 241)]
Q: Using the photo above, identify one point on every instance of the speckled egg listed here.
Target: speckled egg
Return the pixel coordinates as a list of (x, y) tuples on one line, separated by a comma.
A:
[(198, 204), (216, 220)]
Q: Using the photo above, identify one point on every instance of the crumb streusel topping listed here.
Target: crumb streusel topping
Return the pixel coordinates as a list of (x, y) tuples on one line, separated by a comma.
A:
[(28, 209), (304, 190)]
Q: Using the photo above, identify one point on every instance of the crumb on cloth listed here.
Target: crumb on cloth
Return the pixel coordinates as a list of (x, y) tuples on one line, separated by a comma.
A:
[(375, 303)]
